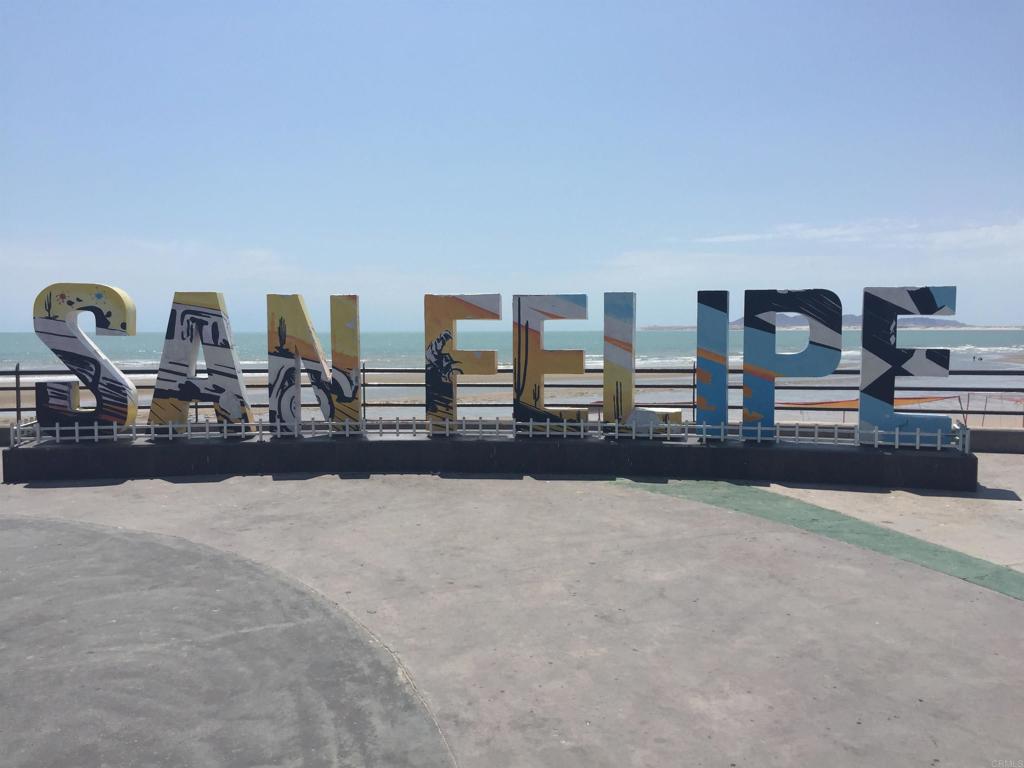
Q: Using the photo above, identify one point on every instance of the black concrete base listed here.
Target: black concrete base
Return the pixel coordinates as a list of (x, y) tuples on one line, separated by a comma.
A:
[(997, 440), (830, 464)]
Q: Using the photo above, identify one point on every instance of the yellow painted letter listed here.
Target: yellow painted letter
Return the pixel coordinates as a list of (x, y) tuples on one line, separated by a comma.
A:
[(55, 319), (444, 360)]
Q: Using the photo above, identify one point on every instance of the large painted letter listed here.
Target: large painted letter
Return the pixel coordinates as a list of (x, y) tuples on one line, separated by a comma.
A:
[(712, 374), (293, 345), (55, 319), (346, 385), (762, 364), (199, 319), (531, 361), (444, 360), (882, 361), (620, 367)]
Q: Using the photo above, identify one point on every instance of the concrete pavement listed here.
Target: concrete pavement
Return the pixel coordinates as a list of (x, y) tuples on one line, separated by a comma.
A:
[(583, 623), (126, 649), (988, 523)]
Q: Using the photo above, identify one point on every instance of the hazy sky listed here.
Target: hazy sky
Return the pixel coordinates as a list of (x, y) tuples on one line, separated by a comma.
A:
[(393, 149)]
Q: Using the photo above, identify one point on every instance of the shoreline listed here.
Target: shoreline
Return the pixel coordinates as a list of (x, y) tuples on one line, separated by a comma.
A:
[(585, 390), (902, 327)]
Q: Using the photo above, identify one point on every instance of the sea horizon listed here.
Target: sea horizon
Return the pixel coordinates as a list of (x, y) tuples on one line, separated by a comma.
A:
[(970, 346)]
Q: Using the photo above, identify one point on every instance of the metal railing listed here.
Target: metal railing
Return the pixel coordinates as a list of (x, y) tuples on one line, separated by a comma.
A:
[(644, 383), (35, 434)]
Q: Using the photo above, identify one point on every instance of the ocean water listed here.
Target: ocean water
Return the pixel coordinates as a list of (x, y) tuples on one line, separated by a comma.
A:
[(971, 348), (981, 350)]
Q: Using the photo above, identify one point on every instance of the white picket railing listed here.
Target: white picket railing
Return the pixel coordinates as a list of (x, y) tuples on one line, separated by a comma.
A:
[(32, 433)]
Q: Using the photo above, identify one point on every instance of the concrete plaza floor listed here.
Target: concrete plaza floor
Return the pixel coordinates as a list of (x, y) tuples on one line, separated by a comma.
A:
[(988, 523), (534, 622)]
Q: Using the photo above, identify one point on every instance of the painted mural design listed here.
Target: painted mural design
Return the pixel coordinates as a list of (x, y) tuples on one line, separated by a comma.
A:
[(58, 402), (882, 361), (293, 346), (619, 376), (55, 314), (443, 361), (346, 384), (712, 374), (199, 320), (762, 364), (531, 361)]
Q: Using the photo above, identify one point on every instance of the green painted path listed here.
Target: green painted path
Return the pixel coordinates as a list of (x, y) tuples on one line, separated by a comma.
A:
[(756, 501)]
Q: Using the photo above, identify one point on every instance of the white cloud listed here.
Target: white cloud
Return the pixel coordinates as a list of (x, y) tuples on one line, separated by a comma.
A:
[(843, 233), (979, 236), (152, 270), (884, 233), (985, 261)]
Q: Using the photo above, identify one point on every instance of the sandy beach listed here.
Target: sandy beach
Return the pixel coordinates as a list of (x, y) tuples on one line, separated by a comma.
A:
[(402, 391)]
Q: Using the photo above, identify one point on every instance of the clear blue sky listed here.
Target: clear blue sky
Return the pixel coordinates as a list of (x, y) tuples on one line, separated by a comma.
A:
[(393, 149)]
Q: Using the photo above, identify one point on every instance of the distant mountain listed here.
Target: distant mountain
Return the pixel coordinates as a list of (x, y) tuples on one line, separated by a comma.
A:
[(787, 320)]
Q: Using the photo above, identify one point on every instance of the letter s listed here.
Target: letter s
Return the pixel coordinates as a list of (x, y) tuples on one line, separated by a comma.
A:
[(55, 319)]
